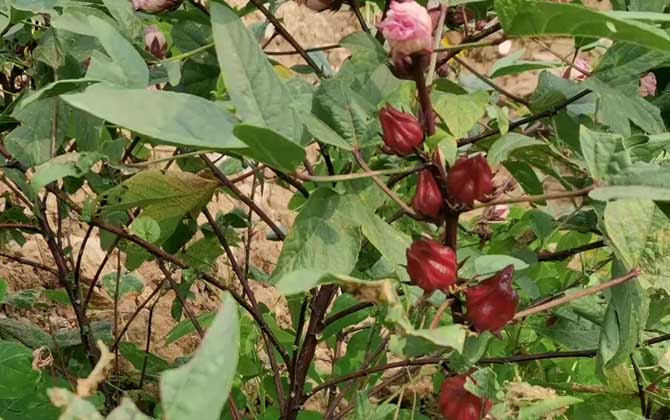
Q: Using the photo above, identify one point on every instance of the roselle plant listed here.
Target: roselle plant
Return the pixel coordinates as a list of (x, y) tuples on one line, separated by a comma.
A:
[(450, 248)]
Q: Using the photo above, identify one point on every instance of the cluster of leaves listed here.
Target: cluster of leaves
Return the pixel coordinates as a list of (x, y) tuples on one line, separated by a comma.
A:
[(85, 107)]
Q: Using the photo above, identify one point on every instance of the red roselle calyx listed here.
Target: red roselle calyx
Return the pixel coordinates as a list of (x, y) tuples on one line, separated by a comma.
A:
[(428, 201), (402, 132), (470, 179), (431, 265), (492, 303), (457, 403), (155, 42)]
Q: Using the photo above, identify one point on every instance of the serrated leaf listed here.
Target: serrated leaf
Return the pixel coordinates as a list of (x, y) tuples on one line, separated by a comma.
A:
[(507, 144), (199, 389), (461, 112), (133, 72), (640, 232), (539, 18), (129, 283)]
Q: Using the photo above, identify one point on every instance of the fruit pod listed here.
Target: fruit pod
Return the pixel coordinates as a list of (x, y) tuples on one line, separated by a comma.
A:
[(431, 265), (402, 132), (470, 179), (457, 403), (492, 303), (428, 201)]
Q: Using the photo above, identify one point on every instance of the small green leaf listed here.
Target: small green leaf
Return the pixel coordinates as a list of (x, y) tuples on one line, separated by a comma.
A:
[(461, 112), (186, 327), (129, 283), (146, 228), (3, 289), (491, 264), (199, 389), (270, 147), (69, 164), (505, 145)]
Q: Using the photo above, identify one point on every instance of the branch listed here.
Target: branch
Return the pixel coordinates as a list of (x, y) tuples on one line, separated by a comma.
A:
[(548, 113), (360, 175), (288, 37), (243, 198), (574, 296), (490, 83), (244, 281), (20, 226), (533, 198), (468, 42), (567, 253), (30, 263), (361, 162), (346, 312), (357, 12), (313, 49)]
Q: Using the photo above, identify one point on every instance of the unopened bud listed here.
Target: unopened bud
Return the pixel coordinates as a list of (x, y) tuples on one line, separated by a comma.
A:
[(155, 42), (402, 131), (431, 265)]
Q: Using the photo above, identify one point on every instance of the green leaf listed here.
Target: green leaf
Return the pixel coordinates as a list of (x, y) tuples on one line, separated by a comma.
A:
[(618, 107), (600, 153), (199, 389), (146, 228), (512, 64), (259, 95), (303, 280), (127, 411), (345, 112), (186, 327), (323, 132), (452, 336), (270, 147), (624, 321), (136, 356), (168, 117), (538, 410), (491, 264), (626, 415), (640, 232), (124, 14), (324, 237), (521, 18), (165, 197), (24, 332), (202, 254), (133, 72), (71, 164), (129, 283), (3, 289), (18, 377), (640, 181), (461, 112), (504, 146)]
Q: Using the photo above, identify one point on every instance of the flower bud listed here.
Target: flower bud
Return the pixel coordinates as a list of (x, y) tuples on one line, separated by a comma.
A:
[(470, 179), (457, 403), (156, 6), (648, 85), (492, 303), (408, 29), (428, 202), (497, 213), (402, 131), (579, 71), (155, 42), (431, 265)]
